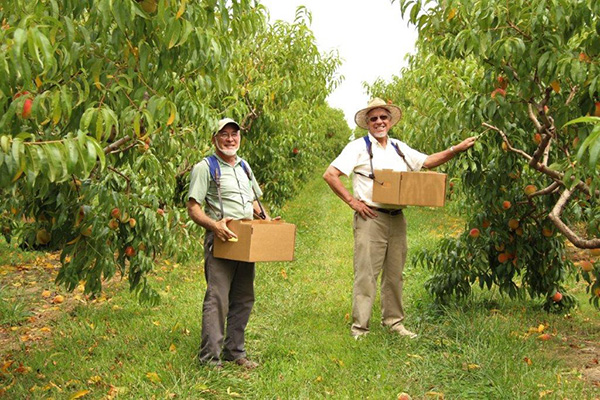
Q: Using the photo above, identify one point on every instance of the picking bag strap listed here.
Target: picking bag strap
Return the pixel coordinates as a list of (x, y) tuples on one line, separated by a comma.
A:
[(215, 175), (370, 152), (401, 154), (246, 169)]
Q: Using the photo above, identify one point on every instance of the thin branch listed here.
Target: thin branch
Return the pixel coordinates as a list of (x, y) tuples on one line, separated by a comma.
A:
[(516, 28), (574, 90), (123, 176), (550, 189), (505, 138), (533, 118), (113, 146), (125, 149)]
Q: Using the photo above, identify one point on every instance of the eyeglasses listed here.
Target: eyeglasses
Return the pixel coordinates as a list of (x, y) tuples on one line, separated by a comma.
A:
[(225, 135), (383, 117)]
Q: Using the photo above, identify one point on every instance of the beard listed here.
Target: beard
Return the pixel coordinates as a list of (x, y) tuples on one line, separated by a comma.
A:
[(379, 135), (228, 152)]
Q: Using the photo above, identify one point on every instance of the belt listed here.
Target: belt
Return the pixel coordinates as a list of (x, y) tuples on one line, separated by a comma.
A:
[(388, 211)]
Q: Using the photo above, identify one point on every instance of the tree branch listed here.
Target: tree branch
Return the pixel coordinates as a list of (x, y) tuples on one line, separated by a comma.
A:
[(124, 177), (564, 229), (114, 146), (574, 90), (533, 118)]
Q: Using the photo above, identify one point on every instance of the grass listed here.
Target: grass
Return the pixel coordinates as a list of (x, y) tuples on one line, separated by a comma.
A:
[(299, 331)]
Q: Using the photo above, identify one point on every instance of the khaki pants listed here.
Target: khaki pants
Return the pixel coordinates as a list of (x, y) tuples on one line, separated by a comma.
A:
[(228, 300), (379, 247)]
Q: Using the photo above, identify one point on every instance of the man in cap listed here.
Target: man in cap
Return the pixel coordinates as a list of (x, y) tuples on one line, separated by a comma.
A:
[(230, 284), (379, 229)]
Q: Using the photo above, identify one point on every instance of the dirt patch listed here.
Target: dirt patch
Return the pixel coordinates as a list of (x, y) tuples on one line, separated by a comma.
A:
[(32, 302)]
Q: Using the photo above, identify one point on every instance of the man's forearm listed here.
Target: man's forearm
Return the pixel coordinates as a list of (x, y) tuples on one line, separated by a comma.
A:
[(199, 216), (337, 186)]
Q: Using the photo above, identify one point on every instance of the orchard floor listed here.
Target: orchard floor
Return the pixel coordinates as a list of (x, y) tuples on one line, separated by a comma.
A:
[(60, 345)]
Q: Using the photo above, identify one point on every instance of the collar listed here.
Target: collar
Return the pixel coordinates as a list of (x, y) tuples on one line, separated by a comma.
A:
[(375, 142), (237, 160)]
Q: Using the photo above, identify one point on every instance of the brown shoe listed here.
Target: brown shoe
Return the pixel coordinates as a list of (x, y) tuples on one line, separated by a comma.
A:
[(402, 331), (246, 363)]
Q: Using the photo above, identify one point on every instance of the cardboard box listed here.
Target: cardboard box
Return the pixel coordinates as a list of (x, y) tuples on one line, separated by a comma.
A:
[(258, 240), (409, 188)]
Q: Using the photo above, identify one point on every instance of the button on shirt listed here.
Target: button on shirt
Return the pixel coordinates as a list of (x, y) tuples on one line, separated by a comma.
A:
[(236, 190), (355, 158)]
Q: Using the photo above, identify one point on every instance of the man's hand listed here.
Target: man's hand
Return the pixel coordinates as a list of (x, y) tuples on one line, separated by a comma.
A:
[(465, 144), (222, 231), (362, 209)]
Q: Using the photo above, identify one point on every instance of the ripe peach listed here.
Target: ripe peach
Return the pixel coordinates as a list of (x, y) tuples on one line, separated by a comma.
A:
[(498, 91), (503, 257), (506, 204), (113, 224), (557, 297), (547, 232), (474, 233), (537, 138), (486, 223), (129, 251), (513, 224), (586, 265), (160, 211), (530, 189), (27, 108), (115, 213), (132, 222)]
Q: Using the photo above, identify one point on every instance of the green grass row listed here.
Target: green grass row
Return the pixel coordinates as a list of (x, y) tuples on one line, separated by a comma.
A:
[(299, 332)]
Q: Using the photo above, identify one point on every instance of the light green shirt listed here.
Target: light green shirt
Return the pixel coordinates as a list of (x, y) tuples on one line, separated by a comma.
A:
[(236, 190)]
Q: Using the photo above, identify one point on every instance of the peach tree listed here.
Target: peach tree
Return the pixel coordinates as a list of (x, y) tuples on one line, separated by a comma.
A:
[(104, 105), (524, 76)]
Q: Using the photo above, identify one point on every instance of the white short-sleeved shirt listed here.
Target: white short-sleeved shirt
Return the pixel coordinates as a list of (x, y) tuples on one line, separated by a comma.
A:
[(355, 158)]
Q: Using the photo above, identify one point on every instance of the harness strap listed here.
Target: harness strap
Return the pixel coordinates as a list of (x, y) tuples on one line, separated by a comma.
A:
[(370, 151), (215, 174), (246, 169)]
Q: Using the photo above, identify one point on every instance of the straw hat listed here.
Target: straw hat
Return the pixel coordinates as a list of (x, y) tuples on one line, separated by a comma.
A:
[(226, 121), (361, 117)]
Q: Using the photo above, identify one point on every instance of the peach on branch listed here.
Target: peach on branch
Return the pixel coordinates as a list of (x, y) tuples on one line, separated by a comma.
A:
[(474, 233), (115, 213), (586, 265), (556, 297), (129, 251), (530, 189)]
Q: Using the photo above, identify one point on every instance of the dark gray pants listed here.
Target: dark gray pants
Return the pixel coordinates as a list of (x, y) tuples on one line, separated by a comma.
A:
[(229, 299)]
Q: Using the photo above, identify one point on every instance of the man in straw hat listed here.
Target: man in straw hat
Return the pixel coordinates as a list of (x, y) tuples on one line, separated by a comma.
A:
[(229, 293), (379, 229)]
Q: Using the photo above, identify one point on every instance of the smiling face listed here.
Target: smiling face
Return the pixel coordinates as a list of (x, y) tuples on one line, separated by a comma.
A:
[(227, 140), (378, 122)]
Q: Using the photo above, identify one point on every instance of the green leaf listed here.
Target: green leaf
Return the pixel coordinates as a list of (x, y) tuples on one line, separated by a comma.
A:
[(584, 120)]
